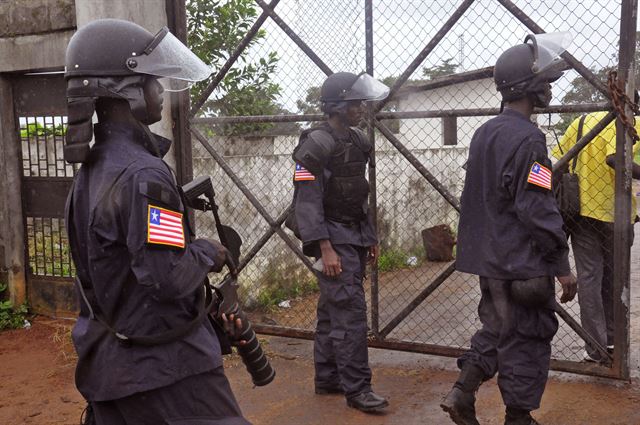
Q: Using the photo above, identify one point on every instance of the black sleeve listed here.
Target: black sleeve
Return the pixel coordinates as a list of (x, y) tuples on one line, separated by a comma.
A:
[(309, 210), (172, 268), (529, 175)]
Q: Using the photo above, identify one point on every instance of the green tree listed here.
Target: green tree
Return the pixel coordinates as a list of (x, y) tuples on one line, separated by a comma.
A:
[(582, 91), (215, 29), (445, 68)]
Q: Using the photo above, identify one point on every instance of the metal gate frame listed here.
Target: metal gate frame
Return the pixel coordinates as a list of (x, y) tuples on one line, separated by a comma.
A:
[(620, 359), (51, 291)]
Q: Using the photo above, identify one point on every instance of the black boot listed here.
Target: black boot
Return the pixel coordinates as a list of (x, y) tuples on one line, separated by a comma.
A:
[(368, 402), (460, 402), (517, 416)]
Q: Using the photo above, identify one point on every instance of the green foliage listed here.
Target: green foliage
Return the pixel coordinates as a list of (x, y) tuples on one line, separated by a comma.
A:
[(35, 129), (445, 68), (215, 28), (11, 317), (284, 280), (392, 259)]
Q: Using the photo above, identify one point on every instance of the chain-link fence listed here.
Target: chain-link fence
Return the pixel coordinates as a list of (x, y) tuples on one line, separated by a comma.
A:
[(437, 58)]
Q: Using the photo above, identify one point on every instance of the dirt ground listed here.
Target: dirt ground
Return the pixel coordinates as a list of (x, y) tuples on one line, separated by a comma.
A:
[(37, 365)]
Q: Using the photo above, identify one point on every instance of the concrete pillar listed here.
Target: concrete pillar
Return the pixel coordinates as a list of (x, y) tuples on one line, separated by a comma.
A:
[(12, 248)]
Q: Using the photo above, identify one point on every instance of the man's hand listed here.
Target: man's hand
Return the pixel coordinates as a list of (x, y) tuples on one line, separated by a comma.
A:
[(569, 287), (222, 257), (332, 266), (233, 328), (374, 253)]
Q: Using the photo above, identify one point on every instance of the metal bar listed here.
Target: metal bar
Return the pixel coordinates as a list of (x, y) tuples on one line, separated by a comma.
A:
[(418, 166), (264, 239), (232, 59), (575, 149), (472, 112), (258, 118), (294, 37), (583, 368), (573, 324), (622, 228), (373, 196), (423, 295), (570, 59), (223, 164), (425, 52)]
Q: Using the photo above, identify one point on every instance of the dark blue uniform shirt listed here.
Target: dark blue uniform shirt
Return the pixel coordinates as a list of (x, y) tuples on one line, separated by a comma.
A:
[(140, 288), (509, 228)]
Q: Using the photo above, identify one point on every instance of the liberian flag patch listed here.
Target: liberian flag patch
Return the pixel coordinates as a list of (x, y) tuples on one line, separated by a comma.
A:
[(164, 227), (540, 175), (302, 174)]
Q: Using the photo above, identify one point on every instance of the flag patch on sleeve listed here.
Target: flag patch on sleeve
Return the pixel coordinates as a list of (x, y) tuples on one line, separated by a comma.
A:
[(540, 175), (302, 174), (164, 227)]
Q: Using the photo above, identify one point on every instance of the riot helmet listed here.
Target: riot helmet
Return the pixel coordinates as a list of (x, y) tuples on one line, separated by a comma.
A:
[(342, 87), (525, 69), (113, 58)]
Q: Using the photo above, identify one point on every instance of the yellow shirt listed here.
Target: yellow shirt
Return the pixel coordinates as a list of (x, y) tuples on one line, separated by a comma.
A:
[(596, 178)]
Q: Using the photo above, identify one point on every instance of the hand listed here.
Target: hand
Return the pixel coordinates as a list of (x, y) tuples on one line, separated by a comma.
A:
[(569, 287), (332, 266), (374, 253), (222, 257), (233, 328)]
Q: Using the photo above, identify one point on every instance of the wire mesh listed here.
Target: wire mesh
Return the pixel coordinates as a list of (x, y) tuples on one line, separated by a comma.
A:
[(276, 285)]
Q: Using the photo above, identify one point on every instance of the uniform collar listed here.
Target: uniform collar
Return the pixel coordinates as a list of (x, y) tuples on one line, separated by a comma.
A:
[(153, 143), (513, 113)]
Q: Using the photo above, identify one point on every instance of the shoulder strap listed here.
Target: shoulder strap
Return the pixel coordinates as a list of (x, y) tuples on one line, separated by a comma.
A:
[(578, 137)]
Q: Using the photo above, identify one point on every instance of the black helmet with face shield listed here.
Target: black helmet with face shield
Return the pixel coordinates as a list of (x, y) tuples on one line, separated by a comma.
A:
[(525, 69), (342, 87), (113, 58)]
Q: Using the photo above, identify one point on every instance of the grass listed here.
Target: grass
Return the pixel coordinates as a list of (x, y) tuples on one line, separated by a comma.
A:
[(11, 317), (283, 280)]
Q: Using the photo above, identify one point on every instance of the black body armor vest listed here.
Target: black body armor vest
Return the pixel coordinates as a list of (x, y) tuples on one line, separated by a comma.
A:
[(345, 198)]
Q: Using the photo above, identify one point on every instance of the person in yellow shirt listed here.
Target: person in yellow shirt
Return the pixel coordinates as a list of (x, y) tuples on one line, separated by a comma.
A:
[(592, 233)]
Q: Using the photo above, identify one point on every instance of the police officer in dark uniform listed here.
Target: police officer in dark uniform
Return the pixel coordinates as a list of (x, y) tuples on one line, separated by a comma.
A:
[(510, 235), (147, 354), (331, 211)]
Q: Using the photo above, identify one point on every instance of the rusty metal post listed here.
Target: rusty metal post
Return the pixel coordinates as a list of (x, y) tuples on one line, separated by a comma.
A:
[(373, 197), (622, 226)]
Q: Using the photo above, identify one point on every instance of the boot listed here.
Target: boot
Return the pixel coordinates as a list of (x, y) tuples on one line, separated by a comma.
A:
[(368, 402), (460, 402), (517, 416)]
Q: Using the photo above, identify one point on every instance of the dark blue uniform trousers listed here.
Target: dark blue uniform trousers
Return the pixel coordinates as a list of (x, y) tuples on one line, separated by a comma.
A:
[(204, 399), (515, 342), (340, 349)]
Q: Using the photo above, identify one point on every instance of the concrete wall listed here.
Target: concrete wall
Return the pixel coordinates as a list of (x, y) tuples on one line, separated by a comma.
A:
[(407, 204), (36, 33), (427, 133), (11, 227)]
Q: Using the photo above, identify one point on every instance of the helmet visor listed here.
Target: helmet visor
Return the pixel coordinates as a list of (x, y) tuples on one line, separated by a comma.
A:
[(166, 57), (367, 88), (550, 47)]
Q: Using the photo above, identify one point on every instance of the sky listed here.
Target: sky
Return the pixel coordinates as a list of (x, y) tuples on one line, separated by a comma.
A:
[(335, 30)]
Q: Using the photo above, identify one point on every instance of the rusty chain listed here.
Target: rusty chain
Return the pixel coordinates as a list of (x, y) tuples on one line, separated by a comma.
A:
[(619, 99)]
